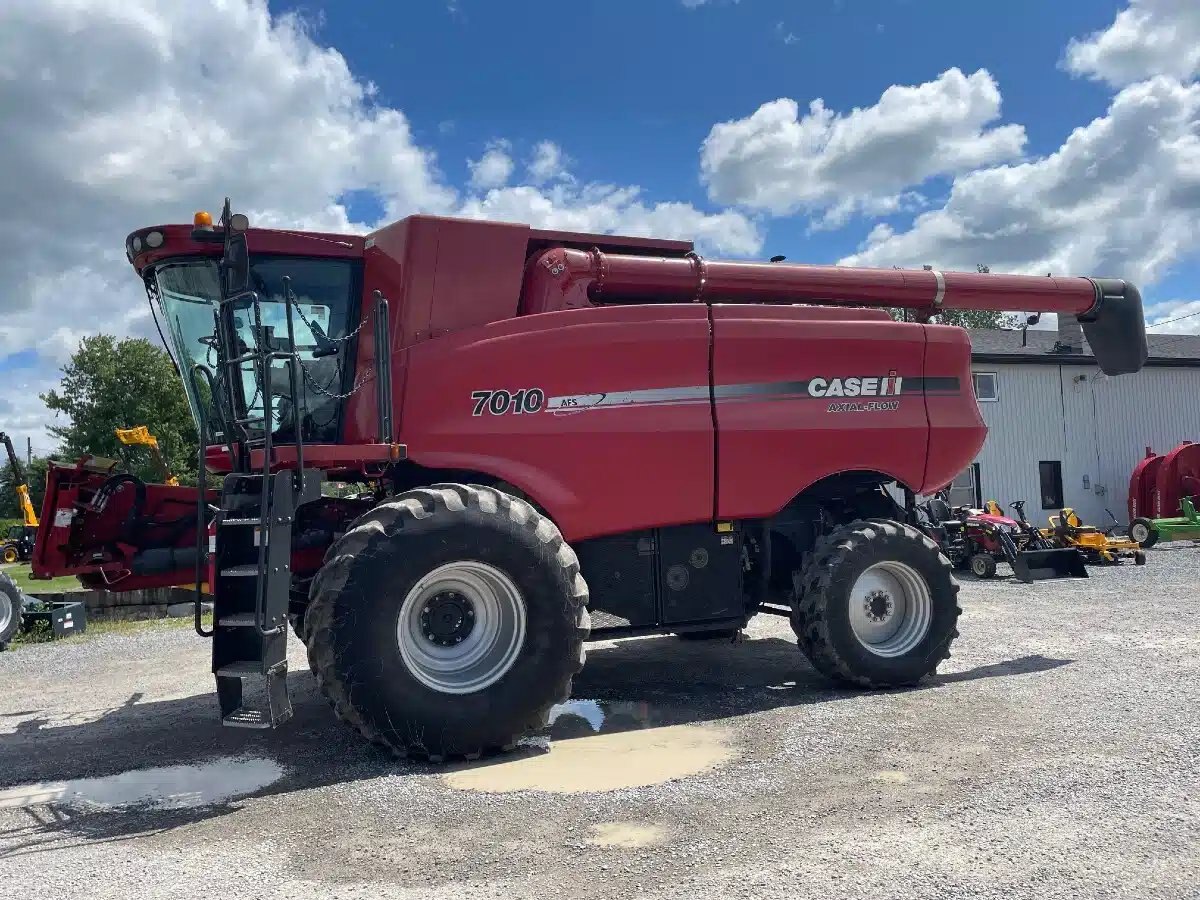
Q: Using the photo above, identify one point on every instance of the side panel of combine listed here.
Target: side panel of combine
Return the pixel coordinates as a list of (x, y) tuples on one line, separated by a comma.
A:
[(804, 393), (602, 415)]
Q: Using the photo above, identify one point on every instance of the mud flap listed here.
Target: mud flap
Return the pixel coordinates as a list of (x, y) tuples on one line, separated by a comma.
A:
[(1037, 565)]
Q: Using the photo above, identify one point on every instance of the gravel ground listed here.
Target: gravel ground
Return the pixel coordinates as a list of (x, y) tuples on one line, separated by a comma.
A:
[(1055, 755)]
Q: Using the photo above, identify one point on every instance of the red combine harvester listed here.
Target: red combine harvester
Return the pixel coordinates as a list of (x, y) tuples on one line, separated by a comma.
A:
[(566, 435)]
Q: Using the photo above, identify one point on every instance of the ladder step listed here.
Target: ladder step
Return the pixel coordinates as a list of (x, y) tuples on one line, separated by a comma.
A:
[(243, 668), (254, 521), (247, 718), (241, 572), (239, 620)]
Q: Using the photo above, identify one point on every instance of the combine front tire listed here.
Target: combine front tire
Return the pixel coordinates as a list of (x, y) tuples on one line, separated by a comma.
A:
[(448, 621), (11, 603), (877, 605)]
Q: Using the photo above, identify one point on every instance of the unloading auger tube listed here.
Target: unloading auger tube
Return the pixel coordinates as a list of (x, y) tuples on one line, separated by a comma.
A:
[(1109, 309)]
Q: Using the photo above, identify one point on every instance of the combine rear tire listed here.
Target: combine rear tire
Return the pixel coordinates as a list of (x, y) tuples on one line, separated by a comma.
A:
[(447, 622), (877, 605), (983, 565), (1144, 532), (11, 603), (9, 553)]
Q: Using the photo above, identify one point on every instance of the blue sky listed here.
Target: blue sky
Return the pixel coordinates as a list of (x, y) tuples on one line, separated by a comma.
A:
[(629, 90), (1030, 136)]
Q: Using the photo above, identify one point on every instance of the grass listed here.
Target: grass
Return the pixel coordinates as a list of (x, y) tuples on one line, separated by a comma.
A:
[(21, 573), (41, 635)]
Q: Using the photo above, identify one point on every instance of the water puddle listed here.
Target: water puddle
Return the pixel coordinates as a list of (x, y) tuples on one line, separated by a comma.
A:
[(169, 787), (597, 746), (626, 835)]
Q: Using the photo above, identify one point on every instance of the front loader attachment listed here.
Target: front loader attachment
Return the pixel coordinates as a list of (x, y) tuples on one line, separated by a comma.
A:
[(1038, 565)]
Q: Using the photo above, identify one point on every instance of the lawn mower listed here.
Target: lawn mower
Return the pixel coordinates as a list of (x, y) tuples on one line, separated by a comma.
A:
[(1098, 547), (978, 539)]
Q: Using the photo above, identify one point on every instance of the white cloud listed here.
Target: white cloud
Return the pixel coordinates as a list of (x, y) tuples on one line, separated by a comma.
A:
[(785, 35), (124, 113), (1150, 37), (1174, 317), (494, 168), (606, 208), (548, 163), (151, 112), (783, 162), (1120, 197)]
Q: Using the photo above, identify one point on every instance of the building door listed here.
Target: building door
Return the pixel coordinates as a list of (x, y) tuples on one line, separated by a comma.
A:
[(1083, 487), (964, 490)]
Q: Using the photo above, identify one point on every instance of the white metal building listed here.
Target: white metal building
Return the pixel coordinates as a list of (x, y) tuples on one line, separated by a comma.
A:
[(1061, 433)]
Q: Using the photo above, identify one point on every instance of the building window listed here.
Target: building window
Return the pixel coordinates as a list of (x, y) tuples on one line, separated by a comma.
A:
[(1050, 479), (985, 385), (964, 490)]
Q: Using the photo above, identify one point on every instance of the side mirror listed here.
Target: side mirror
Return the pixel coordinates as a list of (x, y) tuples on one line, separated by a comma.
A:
[(235, 265)]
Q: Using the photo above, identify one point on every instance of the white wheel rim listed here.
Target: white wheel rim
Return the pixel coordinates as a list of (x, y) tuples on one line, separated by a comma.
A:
[(6, 612), (891, 608), (476, 631), (1139, 532)]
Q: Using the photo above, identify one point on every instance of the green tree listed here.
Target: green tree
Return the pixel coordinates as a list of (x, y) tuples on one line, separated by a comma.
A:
[(967, 318), (976, 318), (110, 384)]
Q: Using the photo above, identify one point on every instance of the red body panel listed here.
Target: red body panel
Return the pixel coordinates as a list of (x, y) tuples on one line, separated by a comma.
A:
[(78, 538), (773, 446), (596, 468), (956, 429), (1178, 477), (623, 437), (1140, 502)]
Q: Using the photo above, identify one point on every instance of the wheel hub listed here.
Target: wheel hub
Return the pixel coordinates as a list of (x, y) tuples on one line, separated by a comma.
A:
[(447, 618), (461, 627), (891, 608), (879, 606)]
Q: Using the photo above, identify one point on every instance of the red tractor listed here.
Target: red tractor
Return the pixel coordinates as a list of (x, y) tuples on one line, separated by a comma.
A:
[(567, 436), (978, 539)]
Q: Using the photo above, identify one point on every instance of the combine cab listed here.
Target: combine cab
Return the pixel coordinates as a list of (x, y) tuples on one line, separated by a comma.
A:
[(565, 436)]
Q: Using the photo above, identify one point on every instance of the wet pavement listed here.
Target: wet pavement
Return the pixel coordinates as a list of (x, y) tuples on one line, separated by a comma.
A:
[(1054, 755)]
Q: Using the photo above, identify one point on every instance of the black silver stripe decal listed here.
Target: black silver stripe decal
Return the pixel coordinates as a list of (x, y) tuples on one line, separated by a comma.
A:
[(771, 390)]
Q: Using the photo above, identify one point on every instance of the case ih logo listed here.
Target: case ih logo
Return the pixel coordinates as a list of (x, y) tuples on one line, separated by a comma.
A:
[(854, 386)]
